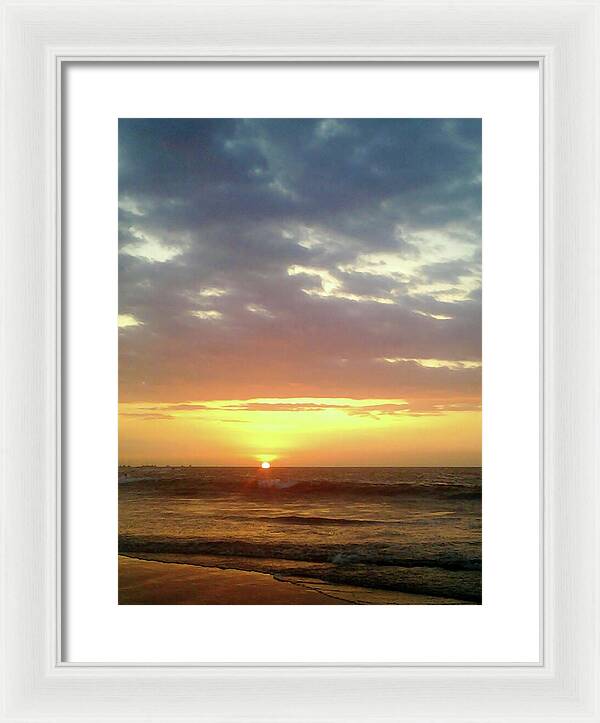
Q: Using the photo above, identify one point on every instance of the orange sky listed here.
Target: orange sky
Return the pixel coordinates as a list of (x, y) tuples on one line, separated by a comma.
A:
[(333, 432)]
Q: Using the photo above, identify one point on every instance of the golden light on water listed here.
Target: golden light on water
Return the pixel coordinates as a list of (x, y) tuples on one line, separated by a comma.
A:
[(265, 465)]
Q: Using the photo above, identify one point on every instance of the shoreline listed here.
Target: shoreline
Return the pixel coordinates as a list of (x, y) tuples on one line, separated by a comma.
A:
[(154, 582), (145, 580)]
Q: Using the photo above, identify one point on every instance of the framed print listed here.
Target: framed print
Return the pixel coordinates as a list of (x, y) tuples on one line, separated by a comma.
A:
[(299, 361)]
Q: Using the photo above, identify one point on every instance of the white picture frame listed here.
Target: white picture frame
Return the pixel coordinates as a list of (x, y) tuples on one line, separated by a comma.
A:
[(38, 38)]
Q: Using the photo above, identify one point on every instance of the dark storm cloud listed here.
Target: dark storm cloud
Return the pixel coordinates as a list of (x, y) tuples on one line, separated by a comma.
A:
[(287, 257)]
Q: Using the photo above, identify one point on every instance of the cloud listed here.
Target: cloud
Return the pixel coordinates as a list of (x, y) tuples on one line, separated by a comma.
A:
[(185, 407), (147, 416), (210, 314), (212, 410), (288, 257), (453, 364), (148, 248), (124, 321)]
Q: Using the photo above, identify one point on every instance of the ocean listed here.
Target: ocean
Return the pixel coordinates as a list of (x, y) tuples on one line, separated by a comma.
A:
[(366, 535)]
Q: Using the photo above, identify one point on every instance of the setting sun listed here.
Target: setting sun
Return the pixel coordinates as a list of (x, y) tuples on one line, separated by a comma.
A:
[(265, 465)]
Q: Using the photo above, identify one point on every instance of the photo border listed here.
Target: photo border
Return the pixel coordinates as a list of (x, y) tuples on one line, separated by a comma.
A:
[(144, 90)]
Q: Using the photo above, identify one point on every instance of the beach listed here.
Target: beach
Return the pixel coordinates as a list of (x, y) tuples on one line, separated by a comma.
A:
[(153, 582), (147, 582)]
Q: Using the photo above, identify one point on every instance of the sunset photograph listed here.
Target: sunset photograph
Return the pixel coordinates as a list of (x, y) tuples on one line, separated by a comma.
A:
[(300, 361)]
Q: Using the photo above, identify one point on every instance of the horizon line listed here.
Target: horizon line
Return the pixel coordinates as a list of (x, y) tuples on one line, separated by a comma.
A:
[(286, 466)]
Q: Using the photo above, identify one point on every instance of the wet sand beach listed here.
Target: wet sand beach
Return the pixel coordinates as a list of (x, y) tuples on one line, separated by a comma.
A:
[(146, 582), (164, 582)]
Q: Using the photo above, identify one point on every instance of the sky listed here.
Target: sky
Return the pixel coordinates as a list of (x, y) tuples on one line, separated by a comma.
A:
[(300, 291)]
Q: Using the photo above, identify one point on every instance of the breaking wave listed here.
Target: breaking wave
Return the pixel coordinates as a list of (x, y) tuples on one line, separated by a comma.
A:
[(458, 557)]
